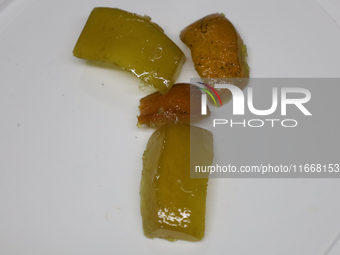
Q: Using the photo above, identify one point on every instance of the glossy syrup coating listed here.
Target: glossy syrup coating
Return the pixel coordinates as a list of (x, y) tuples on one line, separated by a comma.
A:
[(172, 203), (133, 43), (216, 47), (217, 50), (182, 104)]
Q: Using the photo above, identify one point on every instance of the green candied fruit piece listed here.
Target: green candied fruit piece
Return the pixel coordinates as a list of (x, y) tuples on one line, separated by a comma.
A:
[(172, 203), (133, 43)]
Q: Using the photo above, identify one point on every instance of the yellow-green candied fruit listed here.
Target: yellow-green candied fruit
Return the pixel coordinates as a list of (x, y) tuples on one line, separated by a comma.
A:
[(172, 203), (131, 42)]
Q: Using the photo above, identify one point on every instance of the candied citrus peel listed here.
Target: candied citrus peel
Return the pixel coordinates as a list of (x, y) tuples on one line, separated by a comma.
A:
[(133, 43), (182, 104), (218, 52), (172, 203)]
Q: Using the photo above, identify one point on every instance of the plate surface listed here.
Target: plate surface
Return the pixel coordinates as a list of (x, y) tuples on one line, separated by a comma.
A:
[(71, 154)]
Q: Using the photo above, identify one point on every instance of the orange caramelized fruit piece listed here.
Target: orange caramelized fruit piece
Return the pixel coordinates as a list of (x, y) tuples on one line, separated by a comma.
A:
[(182, 104), (217, 51)]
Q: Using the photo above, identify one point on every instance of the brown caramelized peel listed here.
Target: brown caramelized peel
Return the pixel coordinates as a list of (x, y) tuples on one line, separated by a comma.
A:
[(158, 109), (217, 50)]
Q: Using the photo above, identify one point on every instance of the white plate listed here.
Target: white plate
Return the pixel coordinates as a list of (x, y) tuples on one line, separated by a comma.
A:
[(70, 151)]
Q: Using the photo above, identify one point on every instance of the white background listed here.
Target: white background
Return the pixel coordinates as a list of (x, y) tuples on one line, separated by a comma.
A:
[(71, 154)]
